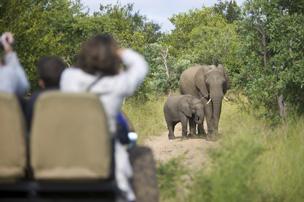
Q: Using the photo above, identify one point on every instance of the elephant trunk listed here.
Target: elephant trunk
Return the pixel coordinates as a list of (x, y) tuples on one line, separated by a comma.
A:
[(216, 112)]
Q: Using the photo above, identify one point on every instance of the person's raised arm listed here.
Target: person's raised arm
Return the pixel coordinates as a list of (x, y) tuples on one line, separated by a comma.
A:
[(11, 60), (136, 70)]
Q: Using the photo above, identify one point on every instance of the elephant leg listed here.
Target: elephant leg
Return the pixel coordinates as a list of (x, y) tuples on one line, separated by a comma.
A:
[(192, 127), (171, 127), (200, 128), (208, 113), (184, 121)]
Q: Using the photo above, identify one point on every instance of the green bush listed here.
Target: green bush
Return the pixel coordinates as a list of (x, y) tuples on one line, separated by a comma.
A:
[(271, 35), (170, 179), (233, 171), (280, 173), (59, 27), (254, 162)]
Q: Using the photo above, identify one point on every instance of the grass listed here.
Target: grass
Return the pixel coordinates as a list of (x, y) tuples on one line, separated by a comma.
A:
[(173, 179), (147, 117), (281, 170), (234, 162), (254, 161)]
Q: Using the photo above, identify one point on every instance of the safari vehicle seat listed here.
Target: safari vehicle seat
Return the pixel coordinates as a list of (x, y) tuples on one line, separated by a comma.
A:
[(12, 136), (71, 157), (66, 143)]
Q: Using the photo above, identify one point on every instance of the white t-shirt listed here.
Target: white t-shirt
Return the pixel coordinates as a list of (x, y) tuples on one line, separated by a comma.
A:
[(111, 89)]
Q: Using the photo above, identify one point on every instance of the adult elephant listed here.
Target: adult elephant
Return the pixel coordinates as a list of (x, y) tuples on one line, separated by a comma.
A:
[(209, 83)]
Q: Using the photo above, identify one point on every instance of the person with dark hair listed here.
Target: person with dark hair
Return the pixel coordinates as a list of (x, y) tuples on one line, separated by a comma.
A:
[(12, 76), (49, 69), (113, 74)]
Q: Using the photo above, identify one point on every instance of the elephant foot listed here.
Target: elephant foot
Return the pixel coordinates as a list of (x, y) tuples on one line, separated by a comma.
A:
[(184, 136), (212, 137), (201, 132), (171, 137), (191, 135), (203, 135)]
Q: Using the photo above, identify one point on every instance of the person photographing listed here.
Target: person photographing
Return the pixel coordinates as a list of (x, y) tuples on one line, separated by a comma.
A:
[(99, 70), (12, 76)]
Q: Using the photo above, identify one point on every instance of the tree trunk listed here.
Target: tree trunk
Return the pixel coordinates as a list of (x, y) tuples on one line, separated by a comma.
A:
[(164, 55), (282, 106), (264, 50), (262, 32)]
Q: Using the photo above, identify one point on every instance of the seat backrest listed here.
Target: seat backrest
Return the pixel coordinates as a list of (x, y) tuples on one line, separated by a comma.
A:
[(12, 138), (70, 138)]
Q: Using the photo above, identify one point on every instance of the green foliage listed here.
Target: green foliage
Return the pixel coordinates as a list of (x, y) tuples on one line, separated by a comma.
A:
[(39, 28), (204, 36), (262, 48), (59, 27), (169, 176), (228, 9), (254, 162), (232, 176), (280, 172), (159, 80), (130, 28), (272, 54)]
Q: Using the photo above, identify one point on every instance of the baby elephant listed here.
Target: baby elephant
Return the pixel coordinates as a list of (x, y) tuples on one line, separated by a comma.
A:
[(184, 109)]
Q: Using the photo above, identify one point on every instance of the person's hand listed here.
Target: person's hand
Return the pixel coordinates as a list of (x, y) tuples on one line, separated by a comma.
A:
[(119, 51), (7, 40)]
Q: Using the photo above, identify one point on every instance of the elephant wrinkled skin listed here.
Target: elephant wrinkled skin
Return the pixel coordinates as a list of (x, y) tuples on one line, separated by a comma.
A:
[(184, 109), (210, 83)]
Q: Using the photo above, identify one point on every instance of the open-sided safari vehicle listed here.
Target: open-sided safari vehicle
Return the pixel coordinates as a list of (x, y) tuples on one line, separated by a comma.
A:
[(69, 155)]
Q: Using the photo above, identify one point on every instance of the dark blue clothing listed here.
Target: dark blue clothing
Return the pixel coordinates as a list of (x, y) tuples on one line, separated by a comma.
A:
[(30, 108), (122, 129)]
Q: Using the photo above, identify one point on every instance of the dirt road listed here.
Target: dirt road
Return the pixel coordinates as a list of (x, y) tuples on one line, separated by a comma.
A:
[(193, 151)]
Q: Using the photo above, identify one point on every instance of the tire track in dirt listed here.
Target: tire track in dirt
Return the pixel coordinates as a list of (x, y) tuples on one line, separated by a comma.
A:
[(194, 151)]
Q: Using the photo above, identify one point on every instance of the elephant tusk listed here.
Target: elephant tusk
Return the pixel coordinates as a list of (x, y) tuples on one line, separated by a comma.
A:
[(209, 101), (226, 99)]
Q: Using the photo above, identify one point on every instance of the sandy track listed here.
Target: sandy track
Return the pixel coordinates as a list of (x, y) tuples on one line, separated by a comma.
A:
[(194, 151)]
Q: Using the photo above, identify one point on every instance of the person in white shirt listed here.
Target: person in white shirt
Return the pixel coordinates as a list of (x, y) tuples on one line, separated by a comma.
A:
[(100, 71), (12, 76)]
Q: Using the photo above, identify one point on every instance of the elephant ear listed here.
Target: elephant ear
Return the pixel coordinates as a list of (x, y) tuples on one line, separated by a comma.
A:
[(227, 83), (185, 107), (200, 82)]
